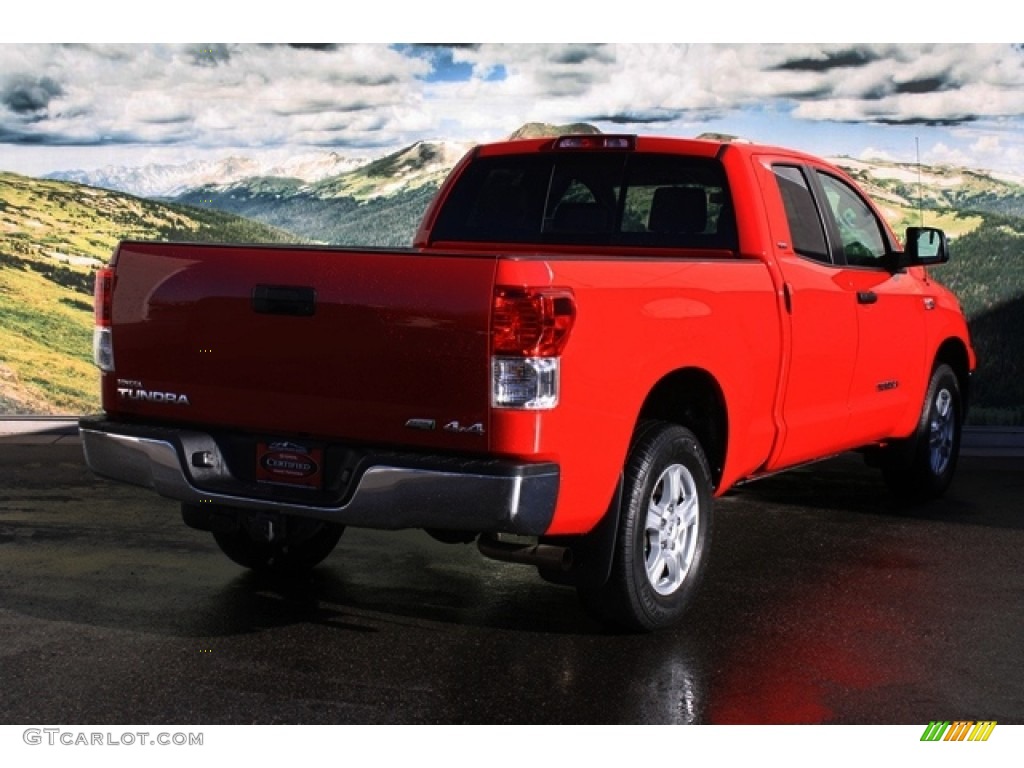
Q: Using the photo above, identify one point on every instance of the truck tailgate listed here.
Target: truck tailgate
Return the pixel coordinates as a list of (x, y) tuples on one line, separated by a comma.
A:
[(372, 346)]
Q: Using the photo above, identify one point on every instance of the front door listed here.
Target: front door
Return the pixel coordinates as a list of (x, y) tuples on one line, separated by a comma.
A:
[(891, 310)]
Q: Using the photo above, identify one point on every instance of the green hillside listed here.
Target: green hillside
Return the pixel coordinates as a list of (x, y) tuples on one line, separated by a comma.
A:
[(386, 221), (984, 217), (378, 204), (53, 236), (986, 272), (941, 196)]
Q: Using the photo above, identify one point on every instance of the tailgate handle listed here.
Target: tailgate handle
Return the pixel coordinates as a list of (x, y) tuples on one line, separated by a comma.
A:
[(295, 300)]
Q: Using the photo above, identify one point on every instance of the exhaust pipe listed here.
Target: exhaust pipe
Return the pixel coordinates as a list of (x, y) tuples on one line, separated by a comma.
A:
[(540, 555)]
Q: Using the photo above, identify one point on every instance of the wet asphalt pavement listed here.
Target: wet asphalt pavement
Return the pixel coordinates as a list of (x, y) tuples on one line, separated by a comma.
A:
[(824, 603)]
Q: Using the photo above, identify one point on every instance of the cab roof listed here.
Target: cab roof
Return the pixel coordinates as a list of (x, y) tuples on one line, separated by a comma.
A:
[(703, 146)]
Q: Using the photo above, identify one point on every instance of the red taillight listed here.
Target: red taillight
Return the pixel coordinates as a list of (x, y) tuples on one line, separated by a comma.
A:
[(531, 322), (529, 329), (102, 334), (103, 294)]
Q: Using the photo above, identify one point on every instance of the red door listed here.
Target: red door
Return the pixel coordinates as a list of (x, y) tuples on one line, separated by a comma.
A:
[(891, 306), (821, 314), (854, 341)]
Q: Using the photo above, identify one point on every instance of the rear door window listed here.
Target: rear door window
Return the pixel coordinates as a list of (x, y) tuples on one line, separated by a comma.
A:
[(805, 226)]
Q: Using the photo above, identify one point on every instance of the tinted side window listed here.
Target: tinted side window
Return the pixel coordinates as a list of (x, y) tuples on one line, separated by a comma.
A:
[(805, 225), (860, 232)]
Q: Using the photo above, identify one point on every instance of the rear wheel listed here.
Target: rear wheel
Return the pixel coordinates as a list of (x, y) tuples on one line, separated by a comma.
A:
[(664, 532), (299, 546), (921, 467)]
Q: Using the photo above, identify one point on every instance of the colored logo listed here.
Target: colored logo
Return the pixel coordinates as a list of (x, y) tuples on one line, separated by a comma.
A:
[(958, 730)]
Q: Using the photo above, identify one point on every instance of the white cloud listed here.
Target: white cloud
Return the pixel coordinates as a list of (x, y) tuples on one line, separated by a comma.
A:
[(226, 96), (863, 83), (199, 97)]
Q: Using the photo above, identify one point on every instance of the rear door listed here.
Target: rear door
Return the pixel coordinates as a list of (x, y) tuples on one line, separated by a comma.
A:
[(820, 313)]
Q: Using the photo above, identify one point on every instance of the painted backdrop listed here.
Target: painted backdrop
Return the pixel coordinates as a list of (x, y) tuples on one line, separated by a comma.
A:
[(347, 143)]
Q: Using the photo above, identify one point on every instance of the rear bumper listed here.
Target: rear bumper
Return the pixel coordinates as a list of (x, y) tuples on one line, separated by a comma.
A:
[(386, 491)]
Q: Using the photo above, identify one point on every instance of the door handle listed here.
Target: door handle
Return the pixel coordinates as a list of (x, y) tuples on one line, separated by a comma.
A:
[(866, 297)]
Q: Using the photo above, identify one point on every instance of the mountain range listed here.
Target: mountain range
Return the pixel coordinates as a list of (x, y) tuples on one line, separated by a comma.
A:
[(377, 204), (933, 187), (167, 180), (54, 233), (333, 199)]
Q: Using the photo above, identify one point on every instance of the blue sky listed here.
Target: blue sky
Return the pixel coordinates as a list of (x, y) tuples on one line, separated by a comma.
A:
[(90, 105)]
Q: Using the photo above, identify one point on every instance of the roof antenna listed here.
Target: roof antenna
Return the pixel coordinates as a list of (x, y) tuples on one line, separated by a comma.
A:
[(920, 188)]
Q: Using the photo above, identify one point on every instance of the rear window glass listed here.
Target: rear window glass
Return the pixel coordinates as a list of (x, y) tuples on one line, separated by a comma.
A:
[(608, 198)]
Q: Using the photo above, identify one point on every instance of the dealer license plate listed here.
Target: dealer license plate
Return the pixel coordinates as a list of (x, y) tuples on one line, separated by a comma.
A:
[(287, 463)]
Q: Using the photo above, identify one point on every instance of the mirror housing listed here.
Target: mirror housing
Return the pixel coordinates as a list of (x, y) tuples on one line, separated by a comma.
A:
[(924, 247)]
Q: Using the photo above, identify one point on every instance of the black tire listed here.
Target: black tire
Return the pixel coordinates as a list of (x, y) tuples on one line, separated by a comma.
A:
[(302, 545), (664, 534), (921, 467)]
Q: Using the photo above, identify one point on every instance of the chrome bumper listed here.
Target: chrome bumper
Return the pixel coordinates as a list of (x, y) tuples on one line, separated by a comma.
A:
[(460, 494)]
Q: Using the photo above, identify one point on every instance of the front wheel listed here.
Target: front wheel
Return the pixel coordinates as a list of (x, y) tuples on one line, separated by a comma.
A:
[(664, 531), (921, 468)]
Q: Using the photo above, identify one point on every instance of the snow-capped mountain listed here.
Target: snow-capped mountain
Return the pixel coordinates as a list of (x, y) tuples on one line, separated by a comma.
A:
[(378, 203), (323, 174), (170, 180), (423, 163)]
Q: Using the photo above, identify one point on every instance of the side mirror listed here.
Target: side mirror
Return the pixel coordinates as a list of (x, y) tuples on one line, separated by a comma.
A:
[(925, 246)]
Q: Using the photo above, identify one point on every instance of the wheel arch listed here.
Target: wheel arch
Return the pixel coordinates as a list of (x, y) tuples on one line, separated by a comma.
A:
[(687, 397), (693, 398), (953, 352)]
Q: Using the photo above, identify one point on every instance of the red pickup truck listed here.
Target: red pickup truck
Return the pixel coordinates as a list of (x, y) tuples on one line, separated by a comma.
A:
[(590, 339)]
